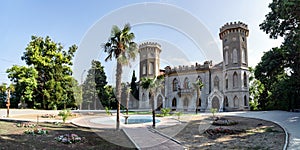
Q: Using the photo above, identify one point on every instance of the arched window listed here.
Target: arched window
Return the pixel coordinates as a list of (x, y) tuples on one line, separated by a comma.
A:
[(199, 102), (236, 102), (199, 78), (245, 79), (226, 81), (243, 55), (235, 79), (186, 84), (216, 83), (226, 102), (234, 56), (245, 101), (151, 66), (175, 84), (226, 57), (174, 103), (144, 69)]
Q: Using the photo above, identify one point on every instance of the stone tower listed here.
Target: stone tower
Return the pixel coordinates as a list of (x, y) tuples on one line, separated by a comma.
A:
[(149, 67), (235, 66)]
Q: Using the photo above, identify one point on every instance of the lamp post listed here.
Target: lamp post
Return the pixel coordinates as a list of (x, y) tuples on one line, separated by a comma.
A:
[(81, 82)]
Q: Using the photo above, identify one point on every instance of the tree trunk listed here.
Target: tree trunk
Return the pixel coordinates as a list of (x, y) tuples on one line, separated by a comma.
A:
[(197, 101), (127, 101), (8, 103), (118, 91), (153, 111)]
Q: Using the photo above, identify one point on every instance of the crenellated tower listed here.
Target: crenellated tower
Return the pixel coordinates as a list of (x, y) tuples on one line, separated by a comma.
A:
[(235, 66), (149, 67)]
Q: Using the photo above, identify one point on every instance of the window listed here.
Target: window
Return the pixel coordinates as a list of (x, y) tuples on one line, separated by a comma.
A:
[(235, 79), (186, 103), (245, 79), (226, 57), (174, 103), (216, 83), (175, 84), (186, 84), (226, 102), (236, 102), (199, 102), (234, 56), (243, 55), (151, 66), (226, 81), (144, 69), (245, 101)]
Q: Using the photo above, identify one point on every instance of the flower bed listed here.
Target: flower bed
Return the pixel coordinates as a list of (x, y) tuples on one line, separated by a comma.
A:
[(68, 138), (37, 131)]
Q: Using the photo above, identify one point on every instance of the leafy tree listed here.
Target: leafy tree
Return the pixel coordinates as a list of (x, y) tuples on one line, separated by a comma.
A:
[(256, 89), (3, 94), (282, 21), (198, 85), (120, 46), (94, 85), (47, 81), (128, 91), (25, 82), (110, 96), (152, 84)]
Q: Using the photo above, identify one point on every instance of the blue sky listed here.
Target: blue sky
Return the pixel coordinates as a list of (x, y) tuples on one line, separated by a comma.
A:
[(71, 22)]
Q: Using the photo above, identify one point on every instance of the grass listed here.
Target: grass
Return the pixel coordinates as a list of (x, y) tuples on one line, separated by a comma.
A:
[(12, 137)]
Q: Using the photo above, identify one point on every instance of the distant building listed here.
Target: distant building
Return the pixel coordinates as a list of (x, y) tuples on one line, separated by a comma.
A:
[(226, 84)]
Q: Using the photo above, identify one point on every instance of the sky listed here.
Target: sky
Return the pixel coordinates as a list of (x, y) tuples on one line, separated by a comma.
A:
[(188, 31)]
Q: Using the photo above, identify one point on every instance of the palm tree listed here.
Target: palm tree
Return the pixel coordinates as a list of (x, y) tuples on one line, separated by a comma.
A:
[(151, 84), (198, 85), (121, 47)]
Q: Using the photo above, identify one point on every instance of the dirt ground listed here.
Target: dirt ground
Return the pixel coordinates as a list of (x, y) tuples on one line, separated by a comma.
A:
[(199, 133)]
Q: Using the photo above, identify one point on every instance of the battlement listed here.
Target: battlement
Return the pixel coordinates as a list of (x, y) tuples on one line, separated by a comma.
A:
[(149, 44), (196, 67), (234, 27)]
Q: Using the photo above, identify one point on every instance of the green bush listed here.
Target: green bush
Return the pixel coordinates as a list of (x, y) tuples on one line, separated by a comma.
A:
[(107, 110), (178, 114), (165, 111), (65, 114), (213, 111)]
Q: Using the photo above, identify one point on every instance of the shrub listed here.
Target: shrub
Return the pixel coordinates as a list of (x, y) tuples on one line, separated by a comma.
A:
[(107, 110), (65, 114), (165, 111), (178, 114), (213, 111)]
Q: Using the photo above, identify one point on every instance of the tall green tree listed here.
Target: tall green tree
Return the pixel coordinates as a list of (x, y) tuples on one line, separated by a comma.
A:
[(24, 79), (94, 85), (120, 46), (198, 85), (256, 89), (54, 74), (133, 87), (3, 94), (284, 21), (152, 84)]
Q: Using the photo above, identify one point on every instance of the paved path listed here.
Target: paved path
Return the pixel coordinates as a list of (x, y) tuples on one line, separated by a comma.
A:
[(289, 120), (143, 137)]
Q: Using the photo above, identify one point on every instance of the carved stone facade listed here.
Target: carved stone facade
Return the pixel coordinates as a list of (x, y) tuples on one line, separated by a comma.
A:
[(226, 84)]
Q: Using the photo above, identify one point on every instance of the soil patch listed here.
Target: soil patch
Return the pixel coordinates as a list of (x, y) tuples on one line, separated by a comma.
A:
[(246, 133)]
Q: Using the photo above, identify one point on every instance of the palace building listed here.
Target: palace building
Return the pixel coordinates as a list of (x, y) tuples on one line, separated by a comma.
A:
[(226, 84)]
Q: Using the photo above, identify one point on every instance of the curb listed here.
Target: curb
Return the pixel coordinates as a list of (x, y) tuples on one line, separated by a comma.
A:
[(137, 147), (168, 137)]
